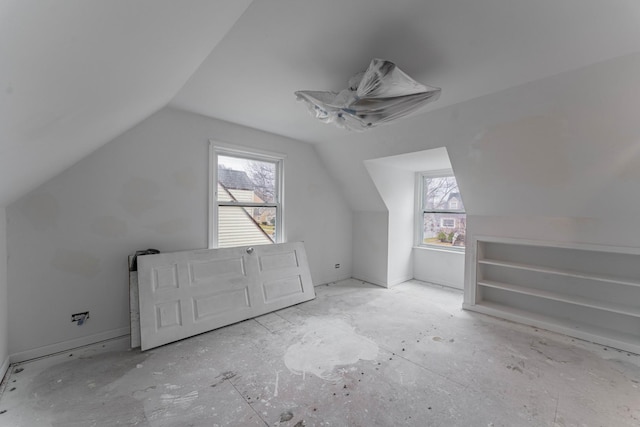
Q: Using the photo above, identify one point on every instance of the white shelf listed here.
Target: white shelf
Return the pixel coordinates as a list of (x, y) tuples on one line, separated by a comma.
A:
[(591, 333), (569, 299), (538, 295), (559, 272)]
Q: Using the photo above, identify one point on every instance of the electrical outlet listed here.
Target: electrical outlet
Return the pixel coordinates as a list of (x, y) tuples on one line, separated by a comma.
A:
[(337, 266), (80, 317)]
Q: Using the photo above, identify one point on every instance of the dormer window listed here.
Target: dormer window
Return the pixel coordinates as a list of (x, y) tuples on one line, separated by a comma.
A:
[(442, 211)]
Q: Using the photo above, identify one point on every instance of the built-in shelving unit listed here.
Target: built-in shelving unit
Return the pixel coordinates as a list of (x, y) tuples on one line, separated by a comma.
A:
[(590, 292)]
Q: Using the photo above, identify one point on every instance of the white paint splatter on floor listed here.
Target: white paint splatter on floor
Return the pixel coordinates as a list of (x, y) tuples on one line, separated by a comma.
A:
[(327, 343)]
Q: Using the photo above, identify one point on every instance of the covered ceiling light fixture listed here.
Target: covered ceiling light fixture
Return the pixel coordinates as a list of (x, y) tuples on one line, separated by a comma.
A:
[(381, 94)]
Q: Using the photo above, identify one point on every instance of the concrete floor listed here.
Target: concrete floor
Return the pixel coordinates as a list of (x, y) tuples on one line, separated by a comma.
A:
[(357, 355)]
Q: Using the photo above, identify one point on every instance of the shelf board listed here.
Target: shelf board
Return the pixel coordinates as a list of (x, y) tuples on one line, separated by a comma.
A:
[(569, 299), (587, 332), (559, 272)]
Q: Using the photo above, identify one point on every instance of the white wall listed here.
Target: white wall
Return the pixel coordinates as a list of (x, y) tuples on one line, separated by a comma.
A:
[(440, 266), (394, 178), (370, 253), (4, 315), (566, 147), (69, 239), (396, 187)]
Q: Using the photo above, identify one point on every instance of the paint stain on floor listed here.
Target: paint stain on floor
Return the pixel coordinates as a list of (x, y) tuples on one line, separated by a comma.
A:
[(325, 344)]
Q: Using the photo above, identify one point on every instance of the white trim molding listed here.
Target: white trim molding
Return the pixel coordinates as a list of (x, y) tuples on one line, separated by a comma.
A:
[(63, 346)]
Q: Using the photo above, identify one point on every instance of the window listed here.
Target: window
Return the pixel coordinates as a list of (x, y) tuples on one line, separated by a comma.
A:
[(441, 211), (246, 198), (447, 222)]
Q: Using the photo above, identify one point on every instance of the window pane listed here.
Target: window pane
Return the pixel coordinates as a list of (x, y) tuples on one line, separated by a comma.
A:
[(444, 229), (246, 180), (441, 194), (243, 226), (247, 207)]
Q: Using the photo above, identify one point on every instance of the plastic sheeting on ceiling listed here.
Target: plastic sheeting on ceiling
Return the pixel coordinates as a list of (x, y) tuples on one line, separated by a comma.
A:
[(381, 94)]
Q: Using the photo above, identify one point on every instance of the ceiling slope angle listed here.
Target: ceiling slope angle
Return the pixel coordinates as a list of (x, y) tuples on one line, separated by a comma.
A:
[(469, 48), (381, 94), (75, 74)]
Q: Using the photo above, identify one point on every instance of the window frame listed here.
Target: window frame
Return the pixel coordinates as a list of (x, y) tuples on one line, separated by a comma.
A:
[(219, 149), (419, 211)]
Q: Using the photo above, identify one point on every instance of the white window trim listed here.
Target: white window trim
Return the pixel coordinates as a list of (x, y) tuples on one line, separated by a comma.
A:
[(419, 212), (217, 148)]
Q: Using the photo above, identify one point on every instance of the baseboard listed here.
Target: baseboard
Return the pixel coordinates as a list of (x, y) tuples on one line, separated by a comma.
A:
[(372, 281), (4, 368), (443, 284), (398, 281), (60, 347), (450, 285), (333, 280)]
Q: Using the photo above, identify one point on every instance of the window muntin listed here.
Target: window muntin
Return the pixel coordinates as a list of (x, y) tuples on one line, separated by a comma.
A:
[(247, 200), (442, 214)]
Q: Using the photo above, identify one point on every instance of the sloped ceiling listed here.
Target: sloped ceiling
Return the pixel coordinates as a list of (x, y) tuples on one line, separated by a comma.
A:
[(468, 48), (76, 73)]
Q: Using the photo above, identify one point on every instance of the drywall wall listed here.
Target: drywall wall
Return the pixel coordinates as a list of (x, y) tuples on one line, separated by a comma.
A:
[(561, 146), (370, 254), (395, 180), (396, 188), (565, 147), (69, 239), (4, 316), (439, 266)]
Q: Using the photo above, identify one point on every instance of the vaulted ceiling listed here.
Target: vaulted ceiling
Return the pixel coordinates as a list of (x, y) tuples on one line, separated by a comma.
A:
[(76, 73)]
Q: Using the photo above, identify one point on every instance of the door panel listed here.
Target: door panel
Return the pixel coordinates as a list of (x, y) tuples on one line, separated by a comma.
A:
[(281, 288), (187, 293)]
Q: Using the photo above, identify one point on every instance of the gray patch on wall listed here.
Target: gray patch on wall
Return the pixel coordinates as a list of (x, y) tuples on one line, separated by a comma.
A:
[(171, 226), (75, 262), (139, 195), (41, 210), (109, 226), (186, 179), (627, 161), (530, 150)]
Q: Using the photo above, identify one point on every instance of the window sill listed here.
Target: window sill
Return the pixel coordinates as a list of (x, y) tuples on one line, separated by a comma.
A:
[(436, 249)]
